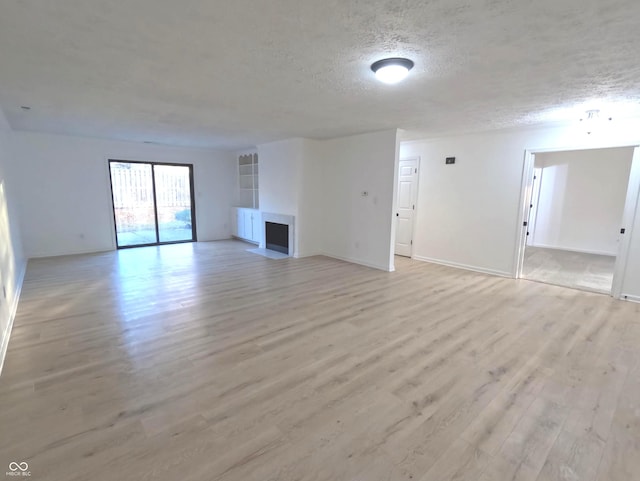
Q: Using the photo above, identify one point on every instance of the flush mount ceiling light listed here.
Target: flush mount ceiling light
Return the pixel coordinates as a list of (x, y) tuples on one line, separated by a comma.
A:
[(392, 70), (593, 121)]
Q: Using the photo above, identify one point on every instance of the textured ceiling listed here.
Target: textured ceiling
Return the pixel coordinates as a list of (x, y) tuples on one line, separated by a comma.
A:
[(234, 73)]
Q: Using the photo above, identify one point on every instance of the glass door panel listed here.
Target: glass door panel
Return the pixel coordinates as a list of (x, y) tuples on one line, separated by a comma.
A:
[(152, 203), (133, 206), (173, 201)]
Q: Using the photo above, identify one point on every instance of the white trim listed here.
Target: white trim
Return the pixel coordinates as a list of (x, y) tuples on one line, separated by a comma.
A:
[(525, 193), (572, 249), (535, 203), (466, 267), (4, 342), (112, 211), (285, 219), (628, 221), (572, 147), (70, 253), (300, 255), (360, 262), (630, 298)]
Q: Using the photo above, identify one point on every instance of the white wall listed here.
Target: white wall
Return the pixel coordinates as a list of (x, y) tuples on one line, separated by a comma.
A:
[(65, 198), (311, 205), (12, 261), (468, 214), (360, 228), (280, 171), (320, 183), (582, 198)]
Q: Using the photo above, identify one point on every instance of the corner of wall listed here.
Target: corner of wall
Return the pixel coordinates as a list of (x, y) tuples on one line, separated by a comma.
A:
[(13, 307), (12, 261)]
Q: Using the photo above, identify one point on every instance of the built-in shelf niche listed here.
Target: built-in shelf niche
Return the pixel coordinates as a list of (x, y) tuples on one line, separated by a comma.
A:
[(248, 180)]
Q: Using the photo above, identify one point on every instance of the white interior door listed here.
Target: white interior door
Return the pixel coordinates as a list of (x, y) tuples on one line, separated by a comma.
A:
[(407, 193)]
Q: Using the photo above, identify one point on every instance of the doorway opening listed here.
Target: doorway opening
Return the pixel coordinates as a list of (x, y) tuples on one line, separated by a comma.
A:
[(153, 203), (407, 193), (579, 205)]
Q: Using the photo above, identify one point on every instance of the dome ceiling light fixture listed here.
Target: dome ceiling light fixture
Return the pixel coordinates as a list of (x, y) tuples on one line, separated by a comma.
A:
[(392, 70)]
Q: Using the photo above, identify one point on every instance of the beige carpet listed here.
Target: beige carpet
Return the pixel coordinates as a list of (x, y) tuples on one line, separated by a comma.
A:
[(570, 269)]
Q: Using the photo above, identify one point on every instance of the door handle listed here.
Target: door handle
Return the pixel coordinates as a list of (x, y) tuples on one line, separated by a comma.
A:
[(397, 215)]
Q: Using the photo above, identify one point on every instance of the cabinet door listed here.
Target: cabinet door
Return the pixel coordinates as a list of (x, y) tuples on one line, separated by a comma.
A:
[(240, 223), (257, 227), (247, 224)]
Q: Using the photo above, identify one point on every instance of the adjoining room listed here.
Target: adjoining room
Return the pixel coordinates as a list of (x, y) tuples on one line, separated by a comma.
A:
[(575, 217)]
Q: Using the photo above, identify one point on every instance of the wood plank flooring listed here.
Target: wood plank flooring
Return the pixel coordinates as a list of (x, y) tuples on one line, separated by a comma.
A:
[(206, 362)]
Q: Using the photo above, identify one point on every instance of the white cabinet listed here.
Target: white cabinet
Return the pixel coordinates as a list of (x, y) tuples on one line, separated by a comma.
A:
[(240, 229), (247, 224), (256, 227)]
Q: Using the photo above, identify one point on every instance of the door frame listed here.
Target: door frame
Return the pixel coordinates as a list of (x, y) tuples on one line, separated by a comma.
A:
[(416, 195), (630, 209), (155, 206), (628, 220), (535, 200)]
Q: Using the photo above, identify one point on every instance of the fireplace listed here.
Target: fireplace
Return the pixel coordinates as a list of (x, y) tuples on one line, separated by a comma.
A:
[(277, 237), (277, 233)]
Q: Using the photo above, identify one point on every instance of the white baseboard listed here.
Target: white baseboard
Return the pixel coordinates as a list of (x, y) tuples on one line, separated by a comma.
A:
[(571, 249), (629, 297), (360, 262), (298, 255), (69, 253), (464, 266), (4, 342)]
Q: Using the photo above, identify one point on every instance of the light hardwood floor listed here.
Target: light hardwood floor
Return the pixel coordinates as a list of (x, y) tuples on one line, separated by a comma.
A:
[(206, 362)]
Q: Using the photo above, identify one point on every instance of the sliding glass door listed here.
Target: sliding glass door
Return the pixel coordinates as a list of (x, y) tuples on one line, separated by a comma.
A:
[(152, 203)]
